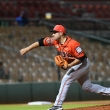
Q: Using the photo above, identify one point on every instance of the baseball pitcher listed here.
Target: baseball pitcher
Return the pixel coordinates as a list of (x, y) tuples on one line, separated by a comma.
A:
[(73, 59)]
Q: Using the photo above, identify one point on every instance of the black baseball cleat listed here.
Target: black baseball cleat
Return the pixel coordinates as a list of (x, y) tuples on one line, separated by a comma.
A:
[(56, 108)]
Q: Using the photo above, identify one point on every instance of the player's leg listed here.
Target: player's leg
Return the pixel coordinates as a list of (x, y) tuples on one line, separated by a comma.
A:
[(72, 74), (68, 78), (66, 81), (86, 85)]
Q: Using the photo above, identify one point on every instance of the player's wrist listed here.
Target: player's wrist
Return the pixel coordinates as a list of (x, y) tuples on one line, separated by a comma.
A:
[(69, 65)]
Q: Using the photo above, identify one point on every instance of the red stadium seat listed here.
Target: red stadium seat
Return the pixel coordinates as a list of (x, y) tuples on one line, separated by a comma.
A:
[(49, 4), (31, 12), (41, 11), (15, 12), (22, 8), (47, 9), (55, 10), (62, 10), (68, 11), (76, 6), (57, 4), (99, 14), (104, 8), (90, 8), (101, 10), (2, 13), (108, 8), (97, 8), (20, 3), (9, 4), (28, 4), (35, 4), (106, 14), (3, 5), (8, 13), (83, 6)]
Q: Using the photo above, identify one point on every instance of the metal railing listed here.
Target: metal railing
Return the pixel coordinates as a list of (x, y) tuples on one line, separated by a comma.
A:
[(50, 23), (79, 33)]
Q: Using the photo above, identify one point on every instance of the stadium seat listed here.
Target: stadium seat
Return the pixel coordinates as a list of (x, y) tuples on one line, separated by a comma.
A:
[(69, 11), (20, 3), (35, 65), (83, 6), (75, 6), (15, 12), (106, 14), (31, 12), (90, 8), (8, 13), (97, 8), (2, 13), (104, 8)]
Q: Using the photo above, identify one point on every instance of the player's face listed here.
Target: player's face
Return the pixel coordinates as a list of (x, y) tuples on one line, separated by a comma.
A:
[(56, 35)]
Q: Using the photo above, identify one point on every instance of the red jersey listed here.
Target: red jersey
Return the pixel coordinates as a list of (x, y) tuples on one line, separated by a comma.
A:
[(70, 50)]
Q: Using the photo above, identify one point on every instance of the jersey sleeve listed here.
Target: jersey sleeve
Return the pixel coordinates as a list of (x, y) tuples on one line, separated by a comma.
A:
[(48, 41), (77, 51)]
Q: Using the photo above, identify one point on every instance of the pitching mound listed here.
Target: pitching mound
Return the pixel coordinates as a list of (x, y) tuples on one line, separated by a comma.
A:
[(99, 107)]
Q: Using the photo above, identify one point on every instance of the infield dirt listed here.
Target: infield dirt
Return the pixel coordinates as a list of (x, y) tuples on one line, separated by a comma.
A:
[(106, 105)]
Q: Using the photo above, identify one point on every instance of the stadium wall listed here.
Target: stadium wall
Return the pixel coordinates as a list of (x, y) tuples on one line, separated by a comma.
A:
[(28, 92)]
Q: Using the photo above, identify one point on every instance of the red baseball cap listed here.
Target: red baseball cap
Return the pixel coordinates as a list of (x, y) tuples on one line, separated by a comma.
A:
[(59, 28)]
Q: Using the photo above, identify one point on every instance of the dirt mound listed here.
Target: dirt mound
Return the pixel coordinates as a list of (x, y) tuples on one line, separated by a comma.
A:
[(98, 107)]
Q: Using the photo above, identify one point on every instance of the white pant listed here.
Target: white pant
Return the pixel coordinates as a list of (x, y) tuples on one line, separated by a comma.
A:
[(80, 73)]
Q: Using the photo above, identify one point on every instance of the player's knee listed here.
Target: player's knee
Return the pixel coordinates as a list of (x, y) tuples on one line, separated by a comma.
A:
[(86, 87)]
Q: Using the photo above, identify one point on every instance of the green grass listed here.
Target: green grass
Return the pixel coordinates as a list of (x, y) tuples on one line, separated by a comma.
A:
[(40, 107)]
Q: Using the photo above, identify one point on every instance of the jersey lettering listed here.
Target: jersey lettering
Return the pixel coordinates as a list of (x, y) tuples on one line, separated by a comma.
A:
[(65, 54)]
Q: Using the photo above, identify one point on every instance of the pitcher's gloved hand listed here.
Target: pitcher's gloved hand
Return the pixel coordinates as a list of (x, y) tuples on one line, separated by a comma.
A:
[(62, 63)]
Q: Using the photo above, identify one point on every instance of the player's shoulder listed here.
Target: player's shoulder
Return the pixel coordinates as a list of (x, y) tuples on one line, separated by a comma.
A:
[(72, 41), (50, 41)]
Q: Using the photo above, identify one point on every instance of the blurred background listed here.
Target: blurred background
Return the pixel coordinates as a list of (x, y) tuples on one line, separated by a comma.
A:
[(22, 22)]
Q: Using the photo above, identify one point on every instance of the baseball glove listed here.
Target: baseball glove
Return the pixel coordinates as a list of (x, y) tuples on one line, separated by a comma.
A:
[(62, 63)]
